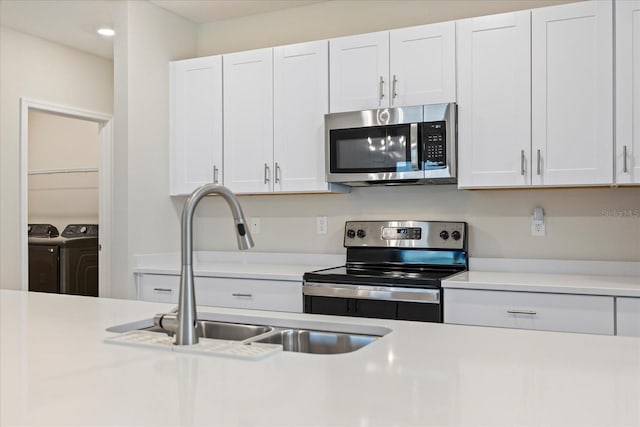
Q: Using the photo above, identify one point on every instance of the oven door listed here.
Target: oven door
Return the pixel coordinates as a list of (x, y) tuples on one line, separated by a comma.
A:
[(375, 153), (381, 302)]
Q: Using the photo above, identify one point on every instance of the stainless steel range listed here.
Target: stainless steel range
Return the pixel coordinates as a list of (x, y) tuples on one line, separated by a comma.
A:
[(393, 271)]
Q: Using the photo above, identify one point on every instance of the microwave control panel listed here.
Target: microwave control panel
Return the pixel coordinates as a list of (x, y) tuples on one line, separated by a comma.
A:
[(434, 141)]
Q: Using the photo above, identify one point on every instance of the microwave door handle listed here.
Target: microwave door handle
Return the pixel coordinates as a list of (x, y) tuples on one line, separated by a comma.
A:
[(413, 142)]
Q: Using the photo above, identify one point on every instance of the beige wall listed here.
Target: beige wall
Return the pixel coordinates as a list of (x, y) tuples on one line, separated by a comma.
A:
[(341, 18), (601, 223), (37, 69), (145, 218), (62, 143), (581, 223)]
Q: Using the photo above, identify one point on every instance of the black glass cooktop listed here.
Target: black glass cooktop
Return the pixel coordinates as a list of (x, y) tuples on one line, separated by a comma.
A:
[(381, 276)]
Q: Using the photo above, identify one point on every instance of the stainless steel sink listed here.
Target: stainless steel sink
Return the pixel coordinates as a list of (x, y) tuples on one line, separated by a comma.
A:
[(223, 331), (300, 336), (317, 342)]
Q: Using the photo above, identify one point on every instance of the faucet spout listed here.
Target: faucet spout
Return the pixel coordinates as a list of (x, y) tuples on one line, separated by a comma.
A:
[(186, 318)]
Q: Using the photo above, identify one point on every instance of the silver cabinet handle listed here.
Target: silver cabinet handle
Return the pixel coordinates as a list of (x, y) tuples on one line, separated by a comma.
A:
[(241, 295), (381, 88), (277, 177), (528, 312), (162, 290), (538, 163), (215, 174), (624, 159), (522, 162), (394, 87), (267, 173)]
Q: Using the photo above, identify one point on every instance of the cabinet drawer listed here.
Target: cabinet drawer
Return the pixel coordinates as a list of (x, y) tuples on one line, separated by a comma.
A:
[(158, 287), (249, 293), (525, 310), (276, 295), (628, 316)]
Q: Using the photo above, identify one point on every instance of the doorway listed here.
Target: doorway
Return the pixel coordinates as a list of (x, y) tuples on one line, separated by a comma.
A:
[(66, 176)]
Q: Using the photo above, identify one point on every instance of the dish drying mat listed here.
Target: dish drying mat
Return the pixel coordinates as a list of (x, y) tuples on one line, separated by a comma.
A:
[(205, 346)]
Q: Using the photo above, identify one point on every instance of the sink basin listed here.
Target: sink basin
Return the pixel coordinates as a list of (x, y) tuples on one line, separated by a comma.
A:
[(317, 342), (300, 336), (223, 331)]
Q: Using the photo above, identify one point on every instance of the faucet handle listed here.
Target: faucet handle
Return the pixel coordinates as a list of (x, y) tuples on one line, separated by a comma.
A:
[(167, 321)]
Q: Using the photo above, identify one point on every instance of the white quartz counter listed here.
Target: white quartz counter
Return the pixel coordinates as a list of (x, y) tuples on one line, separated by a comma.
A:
[(584, 284), (56, 369), (248, 265)]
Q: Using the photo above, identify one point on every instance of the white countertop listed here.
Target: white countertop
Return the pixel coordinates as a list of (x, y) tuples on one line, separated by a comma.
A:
[(56, 369), (248, 265), (585, 284)]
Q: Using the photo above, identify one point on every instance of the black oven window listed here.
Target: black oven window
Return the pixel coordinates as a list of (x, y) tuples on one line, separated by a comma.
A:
[(372, 149)]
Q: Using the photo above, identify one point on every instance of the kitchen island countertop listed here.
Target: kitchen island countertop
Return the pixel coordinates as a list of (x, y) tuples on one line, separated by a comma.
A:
[(56, 369)]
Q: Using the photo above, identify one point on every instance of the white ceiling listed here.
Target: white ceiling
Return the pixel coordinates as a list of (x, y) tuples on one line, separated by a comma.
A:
[(74, 22)]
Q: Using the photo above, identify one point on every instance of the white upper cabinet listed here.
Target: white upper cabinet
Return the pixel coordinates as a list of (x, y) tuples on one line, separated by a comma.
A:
[(248, 121), (422, 64), (572, 94), (196, 123), (627, 157), (301, 99), (409, 66), (359, 72), (494, 100)]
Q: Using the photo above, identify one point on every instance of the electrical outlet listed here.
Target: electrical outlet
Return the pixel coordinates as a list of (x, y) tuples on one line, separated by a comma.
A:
[(255, 225), (537, 229), (321, 224), (537, 222)]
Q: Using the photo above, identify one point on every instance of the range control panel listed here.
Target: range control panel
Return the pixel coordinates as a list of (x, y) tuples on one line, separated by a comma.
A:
[(406, 234)]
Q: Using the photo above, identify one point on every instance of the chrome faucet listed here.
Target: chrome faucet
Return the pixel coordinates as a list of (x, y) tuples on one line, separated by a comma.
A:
[(183, 321)]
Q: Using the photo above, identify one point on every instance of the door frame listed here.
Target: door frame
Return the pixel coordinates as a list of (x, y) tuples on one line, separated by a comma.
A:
[(105, 185)]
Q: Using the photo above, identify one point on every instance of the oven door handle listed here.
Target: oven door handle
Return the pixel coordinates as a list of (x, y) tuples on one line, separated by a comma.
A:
[(383, 293)]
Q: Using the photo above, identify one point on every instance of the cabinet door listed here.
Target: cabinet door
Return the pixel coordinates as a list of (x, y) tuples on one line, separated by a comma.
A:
[(196, 123), (301, 99), (628, 92), (358, 73), (494, 100), (422, 64), (628, 316), (248, 120), (526, 310), (572, 94)]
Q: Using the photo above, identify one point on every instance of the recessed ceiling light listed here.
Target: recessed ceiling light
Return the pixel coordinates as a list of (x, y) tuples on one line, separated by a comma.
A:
[(105, 31)]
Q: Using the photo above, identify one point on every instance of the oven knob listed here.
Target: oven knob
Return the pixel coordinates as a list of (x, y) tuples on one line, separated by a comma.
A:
[(444, 234), (455, 234), (361, 233), (351, 234)]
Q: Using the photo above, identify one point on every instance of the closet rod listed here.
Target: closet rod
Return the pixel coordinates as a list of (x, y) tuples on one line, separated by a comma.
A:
[(53, 171)]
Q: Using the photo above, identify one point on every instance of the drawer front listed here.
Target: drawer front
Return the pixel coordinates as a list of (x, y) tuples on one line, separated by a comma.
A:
[(249, 293), (525, 310), (158, 287), (628, 316)]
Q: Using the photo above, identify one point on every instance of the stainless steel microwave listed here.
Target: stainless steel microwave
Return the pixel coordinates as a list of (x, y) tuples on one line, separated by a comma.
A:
[(404, 145)]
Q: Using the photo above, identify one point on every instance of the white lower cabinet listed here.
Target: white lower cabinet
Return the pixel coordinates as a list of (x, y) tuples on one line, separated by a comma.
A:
[(628, 316), (158, 287), (526, 310), (276, 295)]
